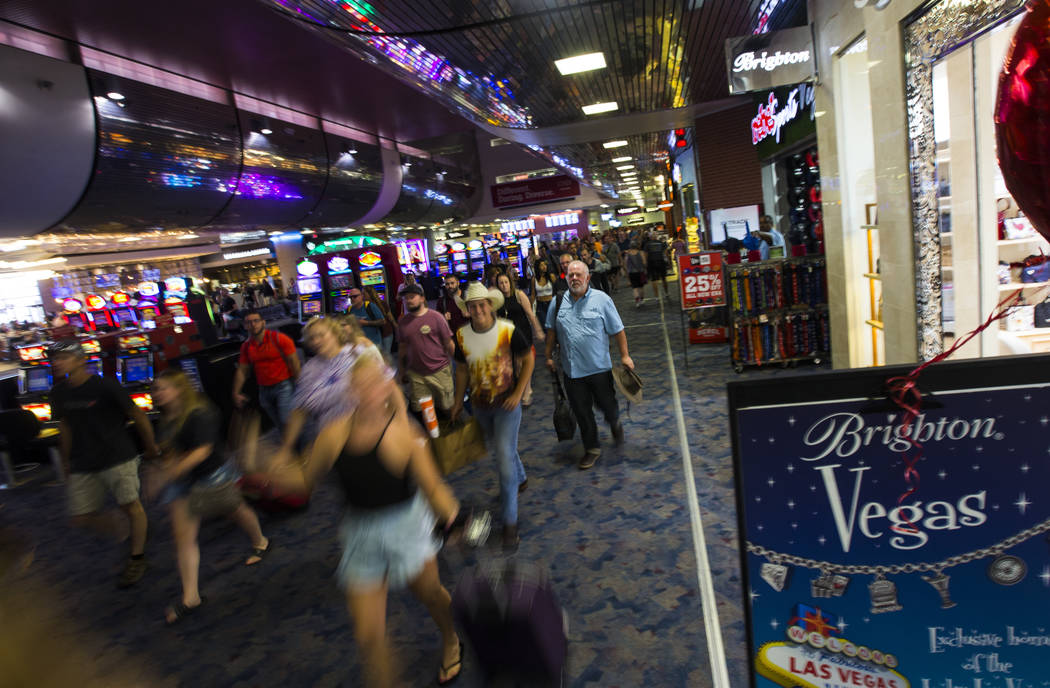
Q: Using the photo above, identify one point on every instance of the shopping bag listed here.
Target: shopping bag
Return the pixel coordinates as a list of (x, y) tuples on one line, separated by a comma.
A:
[(459, 444), (564, 421)]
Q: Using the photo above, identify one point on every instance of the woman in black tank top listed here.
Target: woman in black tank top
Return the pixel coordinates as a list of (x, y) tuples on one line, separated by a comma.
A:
[(393, 491), (518, 309)]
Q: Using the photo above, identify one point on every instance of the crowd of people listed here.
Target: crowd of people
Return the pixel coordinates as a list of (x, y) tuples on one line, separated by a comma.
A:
[(352, 409)]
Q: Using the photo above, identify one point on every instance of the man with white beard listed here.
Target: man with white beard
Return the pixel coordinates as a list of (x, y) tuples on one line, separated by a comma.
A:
[(583, 322)]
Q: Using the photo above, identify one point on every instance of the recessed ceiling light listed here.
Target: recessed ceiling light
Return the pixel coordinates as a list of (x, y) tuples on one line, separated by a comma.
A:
[(352, 151), (113, 95), (598, 108), (625, 158), (580, 63), (265, 131), (625, 167), (615, 144)]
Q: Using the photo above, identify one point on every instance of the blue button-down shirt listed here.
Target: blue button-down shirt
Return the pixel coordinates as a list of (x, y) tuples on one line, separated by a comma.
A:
[(584, 326)]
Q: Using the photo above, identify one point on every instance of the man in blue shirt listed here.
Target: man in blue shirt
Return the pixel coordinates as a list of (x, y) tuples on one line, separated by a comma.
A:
[(369, 317), (582, 322)]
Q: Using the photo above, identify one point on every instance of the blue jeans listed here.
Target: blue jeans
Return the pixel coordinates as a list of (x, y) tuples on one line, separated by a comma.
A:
[(276, 401), (501, 434)]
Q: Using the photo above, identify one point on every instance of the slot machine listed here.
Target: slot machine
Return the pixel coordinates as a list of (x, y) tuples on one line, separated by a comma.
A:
[(135, 367), (442, 256), (124, 315), (311, 294), (35, 380), (511, 252), (459, 259), (476, 256), (340, 279), (372, 273), (98, 312), (73, 310), (148, 304), (412, 254), (175, 291), (93, 353)]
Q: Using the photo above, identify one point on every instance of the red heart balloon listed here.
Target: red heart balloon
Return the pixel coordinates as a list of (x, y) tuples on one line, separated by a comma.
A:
[(1022, 116)]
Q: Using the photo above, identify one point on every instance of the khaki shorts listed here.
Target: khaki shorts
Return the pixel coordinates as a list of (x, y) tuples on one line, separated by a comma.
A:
[(438, 384), (87, 491)]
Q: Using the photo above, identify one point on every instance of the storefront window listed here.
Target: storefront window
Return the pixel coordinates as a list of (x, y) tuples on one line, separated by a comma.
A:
[(979, 230), (859, 217)]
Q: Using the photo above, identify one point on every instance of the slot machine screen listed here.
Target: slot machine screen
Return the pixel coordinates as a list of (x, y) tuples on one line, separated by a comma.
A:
[(94, 368), (459, 255), (311, 307), (143, 400), (135, 369), (341, 304), (339, 281), (371, 278), (124, 316), (41, 410), (38, 379), (91, 346), (309, 285), (33, 353), (189, 366)]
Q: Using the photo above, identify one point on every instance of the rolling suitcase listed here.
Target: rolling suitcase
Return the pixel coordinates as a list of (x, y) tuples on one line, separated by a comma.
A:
[(510, 615)]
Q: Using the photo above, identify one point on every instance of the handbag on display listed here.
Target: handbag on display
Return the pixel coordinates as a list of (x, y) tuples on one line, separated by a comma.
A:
[(1042, 313), (1035, 273), (460, 444)]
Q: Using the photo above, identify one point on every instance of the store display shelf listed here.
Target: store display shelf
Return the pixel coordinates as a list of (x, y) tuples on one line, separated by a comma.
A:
[(875, 323), (1037, 332), (1014, 286), (1022, 242)]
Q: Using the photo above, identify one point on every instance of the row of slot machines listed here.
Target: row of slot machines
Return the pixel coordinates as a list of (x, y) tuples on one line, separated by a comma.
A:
[(324, 282), (133, 357), (116, 310), (471, 257)]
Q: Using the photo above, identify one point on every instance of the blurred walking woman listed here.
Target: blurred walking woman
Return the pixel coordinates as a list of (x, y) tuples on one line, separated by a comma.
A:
[(392, 491), (200, 483)]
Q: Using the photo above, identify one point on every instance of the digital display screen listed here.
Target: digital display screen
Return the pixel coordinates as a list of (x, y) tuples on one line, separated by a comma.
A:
[(94, 368), (339, 281), (370, 278), (132, 341), (107, 280), (459, 255), (42, 411), (143, 400), (136, 369), (311, 307), (148, 312), (189, 366), (309, 285), (32, 353), (477, 265), (124, 316), (151, 274), (91, 346), (38, 379), (341, 304), (177, 307), (183, 320)]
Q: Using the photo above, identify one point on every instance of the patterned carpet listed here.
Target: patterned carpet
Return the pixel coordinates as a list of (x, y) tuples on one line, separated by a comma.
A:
[(616, 539)]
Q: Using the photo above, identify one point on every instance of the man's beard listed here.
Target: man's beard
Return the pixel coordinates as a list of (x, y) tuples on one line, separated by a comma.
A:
[(417, 308)]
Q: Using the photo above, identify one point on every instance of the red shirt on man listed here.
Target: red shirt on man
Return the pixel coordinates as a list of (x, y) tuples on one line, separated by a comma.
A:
[(267, 358)]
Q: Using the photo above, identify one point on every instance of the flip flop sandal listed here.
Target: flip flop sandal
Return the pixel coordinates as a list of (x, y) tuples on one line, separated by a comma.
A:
[(450, 667), (259, 553), (181, 611)]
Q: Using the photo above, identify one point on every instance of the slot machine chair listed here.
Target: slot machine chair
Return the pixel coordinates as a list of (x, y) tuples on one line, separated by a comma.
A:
[(20, 431)]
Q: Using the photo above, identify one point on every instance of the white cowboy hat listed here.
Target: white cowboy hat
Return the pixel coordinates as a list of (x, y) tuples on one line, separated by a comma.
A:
[(477, 291)]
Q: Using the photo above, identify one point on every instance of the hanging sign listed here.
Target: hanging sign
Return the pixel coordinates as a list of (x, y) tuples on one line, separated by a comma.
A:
[(760, 62), (531, 191), (857, 573), (784, 117), (701, 283)]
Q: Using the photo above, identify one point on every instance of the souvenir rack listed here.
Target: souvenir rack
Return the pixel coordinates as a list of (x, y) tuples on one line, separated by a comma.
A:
[(778, 312)]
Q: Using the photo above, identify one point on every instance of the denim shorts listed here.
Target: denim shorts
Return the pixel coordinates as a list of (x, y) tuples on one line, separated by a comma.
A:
[(390, 544)]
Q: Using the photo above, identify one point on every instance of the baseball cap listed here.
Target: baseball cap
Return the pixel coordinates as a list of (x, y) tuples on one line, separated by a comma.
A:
[(412, 289)]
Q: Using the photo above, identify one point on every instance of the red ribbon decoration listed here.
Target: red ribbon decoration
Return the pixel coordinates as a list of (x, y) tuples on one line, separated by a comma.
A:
[(904, 392)]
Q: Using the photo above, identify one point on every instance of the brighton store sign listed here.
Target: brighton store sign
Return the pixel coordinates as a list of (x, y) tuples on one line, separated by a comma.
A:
[(778, 58)]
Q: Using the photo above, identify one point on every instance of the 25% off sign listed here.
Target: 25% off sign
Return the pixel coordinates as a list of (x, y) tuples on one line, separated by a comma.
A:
[(700, 280)]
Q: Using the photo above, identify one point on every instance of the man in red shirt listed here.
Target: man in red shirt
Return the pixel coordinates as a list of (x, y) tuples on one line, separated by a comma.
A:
[(425, 351), (272, 356)]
